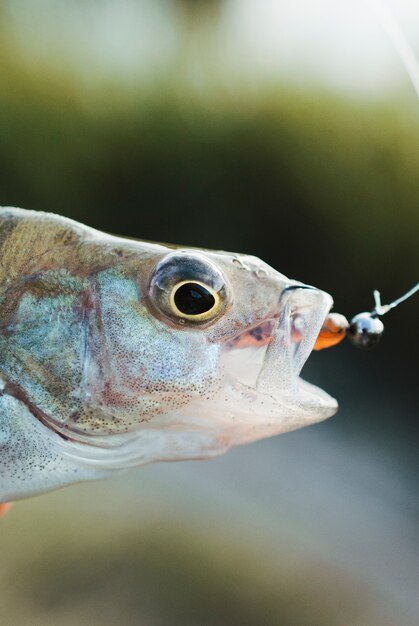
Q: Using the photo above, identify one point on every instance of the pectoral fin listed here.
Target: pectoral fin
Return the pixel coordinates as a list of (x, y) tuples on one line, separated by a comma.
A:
[(4, 507)]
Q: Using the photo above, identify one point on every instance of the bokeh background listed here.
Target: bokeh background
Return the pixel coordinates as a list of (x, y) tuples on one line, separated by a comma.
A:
[(285, 129)]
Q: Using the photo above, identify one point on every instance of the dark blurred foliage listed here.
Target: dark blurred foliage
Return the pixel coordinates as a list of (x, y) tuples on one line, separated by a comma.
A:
[(324, 189)]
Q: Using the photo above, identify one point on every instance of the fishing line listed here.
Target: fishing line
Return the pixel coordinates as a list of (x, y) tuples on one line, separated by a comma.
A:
[(365, 329), (381, 309)]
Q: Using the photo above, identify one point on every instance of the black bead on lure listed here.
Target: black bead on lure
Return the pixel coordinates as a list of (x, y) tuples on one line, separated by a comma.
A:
[(364, 330)]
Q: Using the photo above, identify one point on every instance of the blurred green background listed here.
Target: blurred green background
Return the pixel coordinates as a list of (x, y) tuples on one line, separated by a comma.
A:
[(273, 128)]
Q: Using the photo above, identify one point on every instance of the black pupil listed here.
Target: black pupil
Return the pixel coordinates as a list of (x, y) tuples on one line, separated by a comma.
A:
[(193, 299)]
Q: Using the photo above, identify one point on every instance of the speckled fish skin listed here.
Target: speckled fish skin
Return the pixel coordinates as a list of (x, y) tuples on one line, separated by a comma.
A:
[(97, 376)]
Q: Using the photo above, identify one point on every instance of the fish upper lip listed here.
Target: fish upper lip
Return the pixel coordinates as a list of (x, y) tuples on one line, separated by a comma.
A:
[(234, 341), (274, 315)]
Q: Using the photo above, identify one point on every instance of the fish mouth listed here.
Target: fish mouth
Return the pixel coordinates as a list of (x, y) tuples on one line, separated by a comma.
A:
[(268, 358)]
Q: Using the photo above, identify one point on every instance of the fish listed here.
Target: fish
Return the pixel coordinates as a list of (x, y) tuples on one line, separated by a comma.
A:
[(116, 352)]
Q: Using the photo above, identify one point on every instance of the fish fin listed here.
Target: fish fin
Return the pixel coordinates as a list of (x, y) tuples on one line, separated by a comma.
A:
[(4, 507)]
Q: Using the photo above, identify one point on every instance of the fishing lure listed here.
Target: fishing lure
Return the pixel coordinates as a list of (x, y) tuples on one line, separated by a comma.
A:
[(365, 329)]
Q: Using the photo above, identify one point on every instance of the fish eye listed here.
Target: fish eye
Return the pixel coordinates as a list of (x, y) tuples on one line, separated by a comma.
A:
[(188, 288), (193, 298)]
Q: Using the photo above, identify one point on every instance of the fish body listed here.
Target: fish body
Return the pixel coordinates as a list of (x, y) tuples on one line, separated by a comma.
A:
[(116, 353)]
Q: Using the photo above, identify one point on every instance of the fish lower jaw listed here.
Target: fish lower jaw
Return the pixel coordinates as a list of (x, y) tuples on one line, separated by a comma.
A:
[(262, 388), (300, 403), (316, 400)]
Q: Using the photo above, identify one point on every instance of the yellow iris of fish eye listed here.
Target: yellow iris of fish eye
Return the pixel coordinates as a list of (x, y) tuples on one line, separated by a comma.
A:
[(196, 317)]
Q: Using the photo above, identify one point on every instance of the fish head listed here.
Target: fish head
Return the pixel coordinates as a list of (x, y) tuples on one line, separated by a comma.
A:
[(118, 353), (248, 347)]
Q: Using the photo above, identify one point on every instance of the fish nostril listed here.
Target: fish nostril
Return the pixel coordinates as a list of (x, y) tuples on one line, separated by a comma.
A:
[(261, 273)]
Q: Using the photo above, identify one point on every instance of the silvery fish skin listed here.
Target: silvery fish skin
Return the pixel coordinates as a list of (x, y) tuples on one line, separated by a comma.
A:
[(101, 371)]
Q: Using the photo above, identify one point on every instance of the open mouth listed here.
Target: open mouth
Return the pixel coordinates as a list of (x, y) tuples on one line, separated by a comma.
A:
[(269, 357)]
